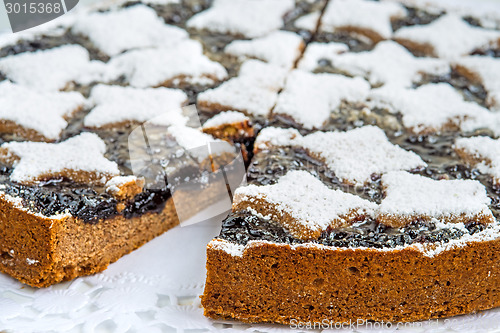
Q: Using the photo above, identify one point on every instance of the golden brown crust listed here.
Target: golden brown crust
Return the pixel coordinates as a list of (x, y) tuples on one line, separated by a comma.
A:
[(232, 132), (278, 283), (41, 251), (128, 190), (10, 127)]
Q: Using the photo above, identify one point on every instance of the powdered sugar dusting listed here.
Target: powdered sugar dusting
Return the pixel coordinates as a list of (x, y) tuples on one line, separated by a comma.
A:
[(487, 12), (483, 153), (116, 182), (390, 63), (408, 195), (82, 153), (374, 153), (155, 67), (489, 121), (449, 36), (45, 113), (306, 200), (487, 70), (198, 143), (322, 93), (281, 48), (374, 17), (115, 105), (429, 108), (315, 52), (235, 250), (308, 22), (51, 69), (250, 18), (277, 137), (225, 118), (254, 91), (134, 27)]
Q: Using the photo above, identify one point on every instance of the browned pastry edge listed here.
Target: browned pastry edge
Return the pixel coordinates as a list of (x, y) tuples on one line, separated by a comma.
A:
[(217, 107), (371, 34), (232, 132), (398, 221), (419, 48), (290, 223), (11, 127), (67, 248), (472, 160), (280, 284), (184, 79)]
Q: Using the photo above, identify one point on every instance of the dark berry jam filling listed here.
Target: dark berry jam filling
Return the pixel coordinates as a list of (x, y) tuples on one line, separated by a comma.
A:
[(437, 150), (354, 43), (471, 91), (414, 16), (50, 42), (243, 227), (176, 13)]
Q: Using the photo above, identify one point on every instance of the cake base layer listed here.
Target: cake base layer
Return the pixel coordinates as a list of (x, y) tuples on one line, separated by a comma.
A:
[(42, 251), (279, 283)]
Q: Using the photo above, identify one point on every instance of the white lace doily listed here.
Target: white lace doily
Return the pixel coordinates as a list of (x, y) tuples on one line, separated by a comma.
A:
[(156, 289)]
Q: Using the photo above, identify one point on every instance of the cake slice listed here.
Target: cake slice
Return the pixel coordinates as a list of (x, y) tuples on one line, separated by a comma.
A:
[(347, 226)]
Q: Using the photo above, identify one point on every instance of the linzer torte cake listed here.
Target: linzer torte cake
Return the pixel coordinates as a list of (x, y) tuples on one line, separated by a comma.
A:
[(369, 131)]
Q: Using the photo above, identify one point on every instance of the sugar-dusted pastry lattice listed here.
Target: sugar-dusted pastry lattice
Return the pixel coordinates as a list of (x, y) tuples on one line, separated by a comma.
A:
[(486, 12), (230, 125), (372, 19), (116, 106), (52, 69), (429, 108), (320, 52), (34, 115), (389, 63), (308, 22), (322, 93), (281, 48), (243, 17), (481, 152), (374, 153), (134, 27), (166, 66), (447, 37), (409, 197), (302, 204), (225, 118), (486, 71), (80, 159), (254, 91)]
